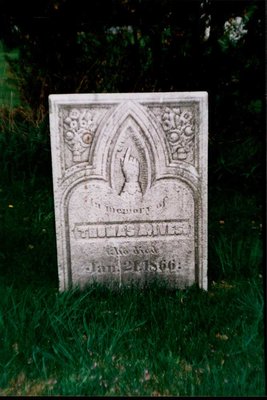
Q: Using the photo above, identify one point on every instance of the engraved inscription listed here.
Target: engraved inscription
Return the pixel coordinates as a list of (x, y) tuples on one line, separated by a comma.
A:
[(135, 250), (127, 211), (131, 229), (144, 210), (162, 266), (118, 238)]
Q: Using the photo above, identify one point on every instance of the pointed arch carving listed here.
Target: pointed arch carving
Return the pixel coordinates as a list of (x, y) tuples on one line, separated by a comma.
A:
[(128, 117)]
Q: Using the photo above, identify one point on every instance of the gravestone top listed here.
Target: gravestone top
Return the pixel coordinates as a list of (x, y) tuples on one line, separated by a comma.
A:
[(130, 187)]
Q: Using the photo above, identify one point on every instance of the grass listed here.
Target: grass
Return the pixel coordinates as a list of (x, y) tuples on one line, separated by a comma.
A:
[(126, 343), (153, 342)]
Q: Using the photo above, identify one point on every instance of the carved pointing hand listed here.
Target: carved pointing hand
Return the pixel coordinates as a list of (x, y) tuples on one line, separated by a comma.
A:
[(130, 167)]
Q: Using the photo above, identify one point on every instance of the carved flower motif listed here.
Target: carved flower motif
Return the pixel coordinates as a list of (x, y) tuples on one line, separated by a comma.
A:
[(185, 117), (92, 126), (188, 131), (74, 113), (74, 124), (69, 135), (174, 136), (83, 124)]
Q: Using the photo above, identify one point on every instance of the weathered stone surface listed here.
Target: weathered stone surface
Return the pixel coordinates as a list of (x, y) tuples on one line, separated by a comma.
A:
[(130, 187)]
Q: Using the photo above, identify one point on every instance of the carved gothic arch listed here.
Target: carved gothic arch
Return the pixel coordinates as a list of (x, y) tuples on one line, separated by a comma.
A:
[(108, 133)]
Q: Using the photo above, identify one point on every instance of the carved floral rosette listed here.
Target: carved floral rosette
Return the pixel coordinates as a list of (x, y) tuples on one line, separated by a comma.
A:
[(78, 130)]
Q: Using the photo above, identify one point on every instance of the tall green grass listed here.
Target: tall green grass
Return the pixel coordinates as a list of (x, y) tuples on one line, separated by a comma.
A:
[(149, 342)]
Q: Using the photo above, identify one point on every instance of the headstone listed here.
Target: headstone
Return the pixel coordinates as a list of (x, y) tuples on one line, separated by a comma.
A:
[(130, 188)]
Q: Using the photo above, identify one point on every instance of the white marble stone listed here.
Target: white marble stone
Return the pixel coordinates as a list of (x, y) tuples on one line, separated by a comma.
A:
[(130, 187)]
